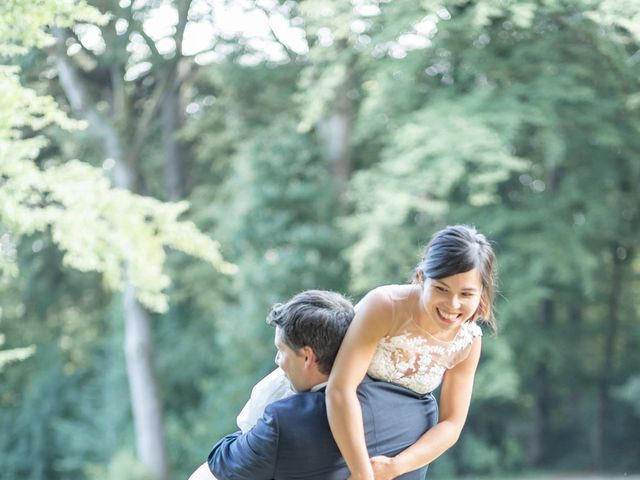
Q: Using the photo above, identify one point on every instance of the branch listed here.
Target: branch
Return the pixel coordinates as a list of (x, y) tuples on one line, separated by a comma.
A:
[(88, 52), (290, 53), (82, 102), (183, 18), (149, 110), (134, 24), (149, 41), (89, 65), (73, 86), (172, 77)]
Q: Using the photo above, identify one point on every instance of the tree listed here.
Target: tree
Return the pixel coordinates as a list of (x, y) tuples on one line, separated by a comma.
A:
[(111, 231)]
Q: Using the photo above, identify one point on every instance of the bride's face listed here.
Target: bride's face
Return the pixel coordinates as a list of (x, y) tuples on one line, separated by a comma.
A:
[(450, 301), (292, 362)]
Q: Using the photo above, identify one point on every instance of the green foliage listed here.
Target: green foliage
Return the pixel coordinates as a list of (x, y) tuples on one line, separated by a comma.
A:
[(101, 229), (519, 117), (273, 210), (123, 466), (283, 237), (516, 135), (120, 235), (497, 379), (478, 456), (24, 24), (500, 122), (419, 172), (630, 392)]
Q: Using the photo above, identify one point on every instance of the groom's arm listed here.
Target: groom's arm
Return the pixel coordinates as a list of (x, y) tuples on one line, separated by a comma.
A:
[(248, 456)]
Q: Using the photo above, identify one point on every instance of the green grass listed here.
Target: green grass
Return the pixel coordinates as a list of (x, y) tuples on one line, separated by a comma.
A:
[(567, 476)]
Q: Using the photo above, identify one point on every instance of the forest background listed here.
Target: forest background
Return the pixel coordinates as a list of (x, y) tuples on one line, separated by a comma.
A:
[(169, 169)]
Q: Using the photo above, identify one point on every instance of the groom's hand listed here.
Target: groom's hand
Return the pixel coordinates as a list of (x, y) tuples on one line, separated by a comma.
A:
[(383, 467)]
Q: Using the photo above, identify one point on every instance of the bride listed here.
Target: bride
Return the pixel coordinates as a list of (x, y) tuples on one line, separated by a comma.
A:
[(419, 336)]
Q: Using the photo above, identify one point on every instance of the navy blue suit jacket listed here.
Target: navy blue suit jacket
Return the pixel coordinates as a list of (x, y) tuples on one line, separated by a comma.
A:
[(293, 440)]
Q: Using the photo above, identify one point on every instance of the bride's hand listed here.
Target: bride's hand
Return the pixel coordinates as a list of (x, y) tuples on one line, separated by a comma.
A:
[(383, 467)]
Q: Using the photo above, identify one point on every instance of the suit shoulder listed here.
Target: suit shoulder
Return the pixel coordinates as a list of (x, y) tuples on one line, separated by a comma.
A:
[(303, 411), (295, 402)]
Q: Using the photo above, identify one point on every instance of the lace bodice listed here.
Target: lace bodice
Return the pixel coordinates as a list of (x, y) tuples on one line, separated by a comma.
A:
[(411, 357)]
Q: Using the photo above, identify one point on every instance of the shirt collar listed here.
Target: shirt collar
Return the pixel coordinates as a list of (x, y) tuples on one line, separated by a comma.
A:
[(319, 386)]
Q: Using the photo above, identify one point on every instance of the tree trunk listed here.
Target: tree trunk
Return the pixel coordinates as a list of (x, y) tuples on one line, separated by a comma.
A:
[(542, 401), (335, 134), (613, 320), (146, 404), (575, 382), (174, 151)]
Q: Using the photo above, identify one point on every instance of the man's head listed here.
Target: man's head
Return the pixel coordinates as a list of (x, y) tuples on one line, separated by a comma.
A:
[(309, 330)]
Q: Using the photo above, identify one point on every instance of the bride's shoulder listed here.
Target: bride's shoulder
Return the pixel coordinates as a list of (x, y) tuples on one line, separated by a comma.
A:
[(378, 295), (395, 293), (387, 297)]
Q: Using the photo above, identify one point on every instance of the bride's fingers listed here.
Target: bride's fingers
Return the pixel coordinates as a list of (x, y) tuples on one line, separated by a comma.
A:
[(382, 467)]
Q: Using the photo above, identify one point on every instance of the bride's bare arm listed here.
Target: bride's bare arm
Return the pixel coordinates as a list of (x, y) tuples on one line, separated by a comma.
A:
[(371, 322)]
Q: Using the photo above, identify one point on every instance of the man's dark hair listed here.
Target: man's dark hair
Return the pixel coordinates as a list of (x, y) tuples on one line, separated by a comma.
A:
[(314, 318)]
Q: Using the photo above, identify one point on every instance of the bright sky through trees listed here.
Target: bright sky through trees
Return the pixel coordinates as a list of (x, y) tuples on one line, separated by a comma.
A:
[(264, 25)]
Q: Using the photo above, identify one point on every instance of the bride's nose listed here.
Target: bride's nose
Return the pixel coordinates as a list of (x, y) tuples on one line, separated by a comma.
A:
[(455, 302)]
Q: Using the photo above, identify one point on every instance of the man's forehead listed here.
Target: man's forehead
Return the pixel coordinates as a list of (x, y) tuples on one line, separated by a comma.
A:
[(279, 341)]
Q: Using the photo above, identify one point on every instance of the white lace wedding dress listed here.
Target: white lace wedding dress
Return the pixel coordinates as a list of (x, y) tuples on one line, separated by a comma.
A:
[(409, 355)]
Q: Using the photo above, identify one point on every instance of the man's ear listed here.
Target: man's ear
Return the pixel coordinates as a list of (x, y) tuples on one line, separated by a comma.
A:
[(310, 357)]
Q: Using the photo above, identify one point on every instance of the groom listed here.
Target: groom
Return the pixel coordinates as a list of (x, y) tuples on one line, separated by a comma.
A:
[(293, 440)]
